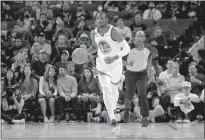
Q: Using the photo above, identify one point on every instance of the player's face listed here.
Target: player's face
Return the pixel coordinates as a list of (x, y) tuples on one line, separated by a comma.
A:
[(139, 38), (101, 19)]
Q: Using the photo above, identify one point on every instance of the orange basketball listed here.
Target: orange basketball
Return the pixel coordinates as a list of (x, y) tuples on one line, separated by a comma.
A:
[(80, 56)]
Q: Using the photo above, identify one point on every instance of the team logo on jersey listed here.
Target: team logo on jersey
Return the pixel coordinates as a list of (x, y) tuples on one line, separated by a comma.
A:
[(104, 47)]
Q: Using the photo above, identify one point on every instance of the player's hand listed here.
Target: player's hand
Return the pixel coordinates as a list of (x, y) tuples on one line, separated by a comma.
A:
[(109, 60)]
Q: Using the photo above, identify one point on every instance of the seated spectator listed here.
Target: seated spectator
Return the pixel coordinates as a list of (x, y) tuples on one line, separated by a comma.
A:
[(18, 60), (196, 80), (38, 66), (152, 13), (159, 41), (124, 30), (184, 103), (67, 88), (111, 6), (64, 60), (43, 9), (60, 29), (35, 50), (19, 72), (12, 105), (138, 25), (48, 92), (49, 16), (7, 13), (80, 28), (174, 83), (167, 73), (81, 11), (18, 45), (6, 39), (3, 70), (73, 71), (201, 61), (88, 90), (29, 88), (29, 21), (69, 16), (162, 7), (41, 25), (8, 81), (21, 31), (175, 11), (62, 44), (44, 46), (27, 7)]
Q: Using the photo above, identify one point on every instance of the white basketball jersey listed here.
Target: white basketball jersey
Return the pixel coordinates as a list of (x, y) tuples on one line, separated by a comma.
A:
[(106, 46)]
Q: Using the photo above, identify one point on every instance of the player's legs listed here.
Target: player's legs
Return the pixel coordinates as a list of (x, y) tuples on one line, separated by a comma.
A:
[(116, 77), (130, 83), (104, 79)]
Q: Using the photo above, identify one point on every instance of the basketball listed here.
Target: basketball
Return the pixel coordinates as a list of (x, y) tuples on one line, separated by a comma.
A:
[(80, 56)]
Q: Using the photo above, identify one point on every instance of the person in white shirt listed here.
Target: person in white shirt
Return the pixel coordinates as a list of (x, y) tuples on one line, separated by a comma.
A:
[(124, 30), (152, 13), (184, 103), (168, 72)]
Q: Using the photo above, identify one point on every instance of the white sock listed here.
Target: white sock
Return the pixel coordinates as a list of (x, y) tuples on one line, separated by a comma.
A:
[(115, 95)]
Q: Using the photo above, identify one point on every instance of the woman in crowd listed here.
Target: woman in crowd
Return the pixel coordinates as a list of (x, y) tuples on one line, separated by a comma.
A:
[(48, 92), (9, 81), (88, 89), (29, 88)]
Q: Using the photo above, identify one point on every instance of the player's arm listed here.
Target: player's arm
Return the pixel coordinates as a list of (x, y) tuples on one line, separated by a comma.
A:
[(116, 36), (93, 48)]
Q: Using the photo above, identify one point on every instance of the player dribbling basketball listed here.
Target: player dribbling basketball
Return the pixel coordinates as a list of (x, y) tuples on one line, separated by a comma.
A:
[(110, 47)]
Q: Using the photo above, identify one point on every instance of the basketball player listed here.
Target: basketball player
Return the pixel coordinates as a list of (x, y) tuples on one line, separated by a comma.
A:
[(110, 47), (139, 61)]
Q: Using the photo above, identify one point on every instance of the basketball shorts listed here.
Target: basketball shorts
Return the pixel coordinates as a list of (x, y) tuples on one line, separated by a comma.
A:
[(114, 70)]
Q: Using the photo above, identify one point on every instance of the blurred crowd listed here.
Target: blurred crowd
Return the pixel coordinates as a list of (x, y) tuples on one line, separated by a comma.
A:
[(40, 80)]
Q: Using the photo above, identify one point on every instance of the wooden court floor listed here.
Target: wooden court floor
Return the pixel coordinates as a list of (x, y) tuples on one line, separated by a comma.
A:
[(91, 131)]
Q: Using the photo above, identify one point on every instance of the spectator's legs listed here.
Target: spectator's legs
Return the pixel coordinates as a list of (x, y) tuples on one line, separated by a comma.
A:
[(31, 105), (60, 106), (179, 115), (42, 103), (19, 118), (156, 112), (165, 101), (74, 103), (6, 118), (52, 108)]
